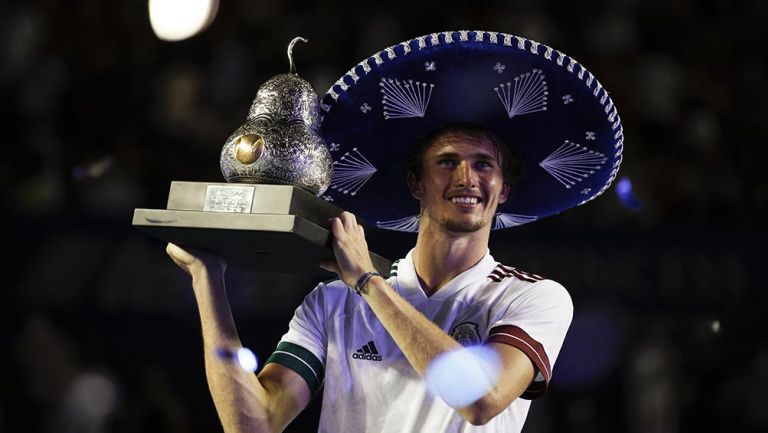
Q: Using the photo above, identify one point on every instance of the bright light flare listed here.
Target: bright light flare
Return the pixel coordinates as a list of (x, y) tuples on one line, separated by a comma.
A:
[(715, 326), (92, 170), (624, 187), (461, 377), (626, 195), (244, 357), (247, 359), (176, 20)]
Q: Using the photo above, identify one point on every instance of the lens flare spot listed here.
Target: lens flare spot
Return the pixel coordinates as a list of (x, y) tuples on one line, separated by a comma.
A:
[(626, 194), (247, 359), (715, 326), (244, 357), (461, 377), (624, 187), (176, 20)]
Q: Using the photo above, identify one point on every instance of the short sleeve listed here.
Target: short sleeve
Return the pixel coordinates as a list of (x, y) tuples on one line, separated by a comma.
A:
[(303, 347), (536, 323)]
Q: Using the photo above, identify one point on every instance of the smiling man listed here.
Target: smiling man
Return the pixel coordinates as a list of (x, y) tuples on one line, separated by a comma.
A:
[(478, 157), (446, 292), (370, 342)]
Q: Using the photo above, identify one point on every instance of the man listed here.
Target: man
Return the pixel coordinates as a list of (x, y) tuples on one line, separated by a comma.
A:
[(459, 187), (371, 343)]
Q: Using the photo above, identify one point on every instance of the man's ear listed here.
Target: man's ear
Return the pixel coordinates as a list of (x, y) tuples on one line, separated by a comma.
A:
[(504, 193), (414, 185)]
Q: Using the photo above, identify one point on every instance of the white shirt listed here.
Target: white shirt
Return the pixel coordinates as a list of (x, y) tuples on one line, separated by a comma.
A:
[(371, 387)]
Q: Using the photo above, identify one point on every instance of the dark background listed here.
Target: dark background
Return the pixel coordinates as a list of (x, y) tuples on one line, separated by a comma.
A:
[(99, 328)]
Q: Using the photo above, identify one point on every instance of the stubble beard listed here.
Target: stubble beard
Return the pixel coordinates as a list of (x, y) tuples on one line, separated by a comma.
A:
[(459, 225), (462, 226)]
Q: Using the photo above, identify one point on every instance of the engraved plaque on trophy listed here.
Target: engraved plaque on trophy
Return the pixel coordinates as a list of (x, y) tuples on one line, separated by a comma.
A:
[(268, 217)]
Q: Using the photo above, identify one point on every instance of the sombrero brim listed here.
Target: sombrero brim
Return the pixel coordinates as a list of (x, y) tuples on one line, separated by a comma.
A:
[(543, 102)]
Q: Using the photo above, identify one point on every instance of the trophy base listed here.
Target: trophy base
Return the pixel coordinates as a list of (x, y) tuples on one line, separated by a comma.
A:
[(276, 229)]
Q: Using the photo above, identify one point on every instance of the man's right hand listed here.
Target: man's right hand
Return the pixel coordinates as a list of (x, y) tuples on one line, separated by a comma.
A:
[(194, 261)]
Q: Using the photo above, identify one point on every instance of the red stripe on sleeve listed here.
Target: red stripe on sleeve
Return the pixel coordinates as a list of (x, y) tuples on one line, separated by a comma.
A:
[(516, 337), (523, 276)]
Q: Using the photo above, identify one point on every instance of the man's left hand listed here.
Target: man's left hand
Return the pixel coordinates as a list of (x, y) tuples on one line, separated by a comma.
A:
[(350, 249)]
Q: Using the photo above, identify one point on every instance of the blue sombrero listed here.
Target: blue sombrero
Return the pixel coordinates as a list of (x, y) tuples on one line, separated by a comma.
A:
[(556, 113)]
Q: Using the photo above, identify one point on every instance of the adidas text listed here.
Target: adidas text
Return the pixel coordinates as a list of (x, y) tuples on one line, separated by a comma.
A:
[(366, 356)]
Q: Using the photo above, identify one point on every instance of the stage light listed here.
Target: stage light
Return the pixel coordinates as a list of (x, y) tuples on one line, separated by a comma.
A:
[(461, 377), (624, 187), (626, 195), (715, 326), (176, 20), (244, 357), (93, 170), (247, 359)]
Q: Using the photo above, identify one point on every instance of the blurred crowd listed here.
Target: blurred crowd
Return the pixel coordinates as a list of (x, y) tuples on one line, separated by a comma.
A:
[(99, 116)]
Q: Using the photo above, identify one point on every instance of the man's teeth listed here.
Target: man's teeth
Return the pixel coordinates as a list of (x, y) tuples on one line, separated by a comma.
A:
[(464, 200)]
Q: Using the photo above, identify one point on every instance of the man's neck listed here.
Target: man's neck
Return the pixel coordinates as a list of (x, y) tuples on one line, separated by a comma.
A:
[(440, 256)]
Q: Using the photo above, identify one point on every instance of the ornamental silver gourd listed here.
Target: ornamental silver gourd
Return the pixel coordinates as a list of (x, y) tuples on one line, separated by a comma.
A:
[(280, 142)]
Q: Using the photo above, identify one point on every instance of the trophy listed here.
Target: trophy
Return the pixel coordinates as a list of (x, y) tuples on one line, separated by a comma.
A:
[(267, 216)]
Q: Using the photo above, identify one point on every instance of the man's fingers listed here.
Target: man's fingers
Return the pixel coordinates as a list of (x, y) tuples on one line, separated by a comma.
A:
[(178, 254), (349, 220), (192, 258), (336, 225), (170, 248)]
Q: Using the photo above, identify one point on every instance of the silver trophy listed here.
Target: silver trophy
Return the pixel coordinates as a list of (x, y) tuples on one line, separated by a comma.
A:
[(280, 141), (268, 217)]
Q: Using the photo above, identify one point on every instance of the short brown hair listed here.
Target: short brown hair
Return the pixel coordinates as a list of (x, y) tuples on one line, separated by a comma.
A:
[(510, 161)]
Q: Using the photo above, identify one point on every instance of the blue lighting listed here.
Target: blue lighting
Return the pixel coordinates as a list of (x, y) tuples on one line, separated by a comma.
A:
[(624, 187), (461, 377), (244, 357), (626, 196)]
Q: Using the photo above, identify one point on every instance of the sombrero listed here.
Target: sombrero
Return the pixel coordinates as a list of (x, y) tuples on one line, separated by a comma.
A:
[(554, 112)]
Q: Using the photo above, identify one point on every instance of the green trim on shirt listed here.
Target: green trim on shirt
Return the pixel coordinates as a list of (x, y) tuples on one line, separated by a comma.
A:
[(302, 361)]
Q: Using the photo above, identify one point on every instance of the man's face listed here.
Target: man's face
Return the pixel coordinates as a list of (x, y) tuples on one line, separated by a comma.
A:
[(461, 183)]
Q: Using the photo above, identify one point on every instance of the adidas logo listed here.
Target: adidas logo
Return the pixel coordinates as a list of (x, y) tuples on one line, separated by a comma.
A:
[(368, 352)]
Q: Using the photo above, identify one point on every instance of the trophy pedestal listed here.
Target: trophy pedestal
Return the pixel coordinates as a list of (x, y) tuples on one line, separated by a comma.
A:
[(257, 227)]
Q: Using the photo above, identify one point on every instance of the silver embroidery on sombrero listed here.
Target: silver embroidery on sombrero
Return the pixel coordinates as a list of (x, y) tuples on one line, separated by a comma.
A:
[(528, 94), (407, 224), (351, 172), (572, 163), (504, 40), (405, 99), (354, 75), (506, 220)]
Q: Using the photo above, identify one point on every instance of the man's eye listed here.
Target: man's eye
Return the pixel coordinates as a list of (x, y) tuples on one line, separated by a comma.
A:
[(484, 164), (446, 162)]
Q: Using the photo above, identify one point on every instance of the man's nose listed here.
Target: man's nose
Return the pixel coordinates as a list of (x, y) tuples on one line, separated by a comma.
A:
[(465, 175)]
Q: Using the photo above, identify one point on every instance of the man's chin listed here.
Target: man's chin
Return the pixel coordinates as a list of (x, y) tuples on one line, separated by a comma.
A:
[(463, 226)]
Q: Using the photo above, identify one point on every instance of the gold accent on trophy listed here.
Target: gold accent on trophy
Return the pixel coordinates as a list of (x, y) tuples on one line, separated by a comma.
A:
[(269, 217)]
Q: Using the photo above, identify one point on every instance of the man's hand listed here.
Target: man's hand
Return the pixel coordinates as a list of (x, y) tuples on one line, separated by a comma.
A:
[(350, 248), (194, 261)]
